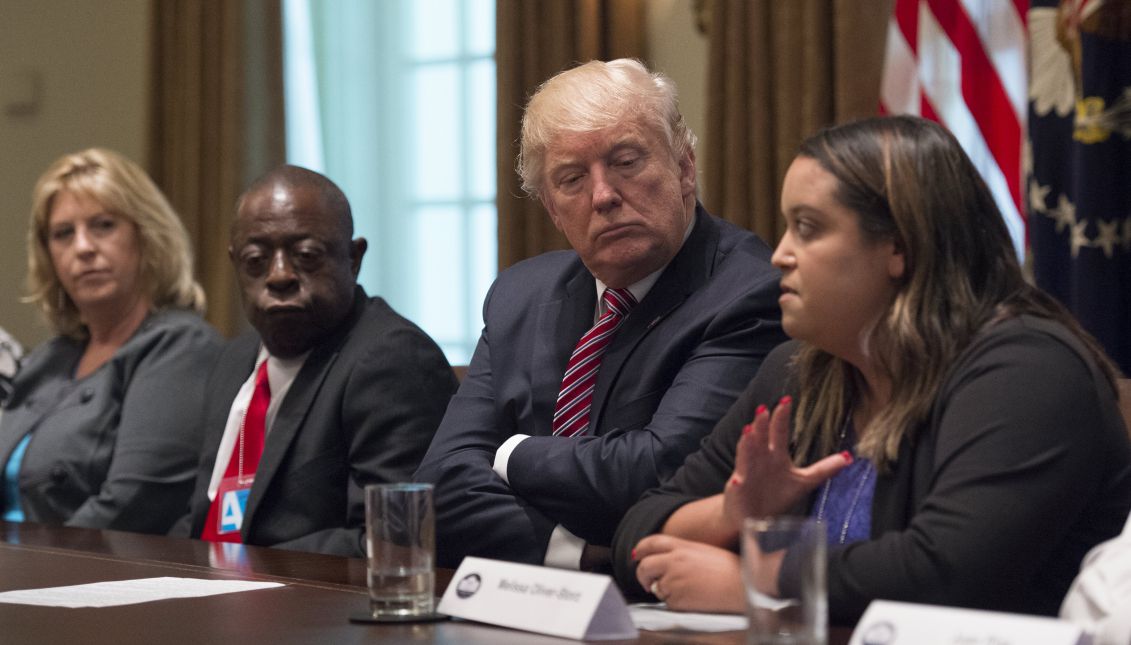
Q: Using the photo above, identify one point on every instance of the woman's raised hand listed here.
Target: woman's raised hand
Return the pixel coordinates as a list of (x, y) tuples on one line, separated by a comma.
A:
[(765, 481)]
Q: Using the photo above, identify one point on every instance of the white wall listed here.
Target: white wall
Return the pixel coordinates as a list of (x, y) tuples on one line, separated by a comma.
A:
[(91, 59), (678, 49)]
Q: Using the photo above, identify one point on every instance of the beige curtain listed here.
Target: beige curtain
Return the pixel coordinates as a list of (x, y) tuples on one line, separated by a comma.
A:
[(216, 117), (535, 40), (777, 72)]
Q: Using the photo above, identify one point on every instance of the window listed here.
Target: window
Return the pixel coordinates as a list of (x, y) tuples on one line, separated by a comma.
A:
[(395, 101)]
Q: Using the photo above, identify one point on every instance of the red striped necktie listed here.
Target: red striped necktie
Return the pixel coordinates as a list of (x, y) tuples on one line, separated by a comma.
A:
[(571, 414)]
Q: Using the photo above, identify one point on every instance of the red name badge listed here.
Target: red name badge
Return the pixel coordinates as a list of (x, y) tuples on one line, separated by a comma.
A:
[(232, 493)]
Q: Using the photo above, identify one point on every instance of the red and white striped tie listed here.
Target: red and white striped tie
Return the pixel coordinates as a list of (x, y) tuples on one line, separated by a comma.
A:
[(571, 415)]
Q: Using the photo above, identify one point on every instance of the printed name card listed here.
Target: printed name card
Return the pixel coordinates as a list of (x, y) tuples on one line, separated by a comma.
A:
[(572, 604), (900, 623)]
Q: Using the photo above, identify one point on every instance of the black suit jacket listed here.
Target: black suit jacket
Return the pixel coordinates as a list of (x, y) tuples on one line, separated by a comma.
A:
[(674, 367), (362, 410)]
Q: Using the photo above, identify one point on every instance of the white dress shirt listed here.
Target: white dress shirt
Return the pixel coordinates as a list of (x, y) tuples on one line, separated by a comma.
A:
[(1100, 597), (281, 374)]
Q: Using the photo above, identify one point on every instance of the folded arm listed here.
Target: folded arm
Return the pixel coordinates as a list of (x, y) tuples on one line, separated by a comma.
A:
[(587, 484), (477, 513)]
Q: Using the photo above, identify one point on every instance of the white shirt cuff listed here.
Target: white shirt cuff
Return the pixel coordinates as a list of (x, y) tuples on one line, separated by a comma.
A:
[(503, 455), (564, 550)]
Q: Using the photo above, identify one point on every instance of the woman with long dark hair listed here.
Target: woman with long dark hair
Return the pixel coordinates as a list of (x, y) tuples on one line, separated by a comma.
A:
[(953, 427)]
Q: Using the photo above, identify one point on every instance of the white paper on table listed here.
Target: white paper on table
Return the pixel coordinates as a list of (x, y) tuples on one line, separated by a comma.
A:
[(129, 592), (657, 617)]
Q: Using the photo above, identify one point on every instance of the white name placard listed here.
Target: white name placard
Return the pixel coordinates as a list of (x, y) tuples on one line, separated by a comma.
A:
[(900, 623), (584, 606)]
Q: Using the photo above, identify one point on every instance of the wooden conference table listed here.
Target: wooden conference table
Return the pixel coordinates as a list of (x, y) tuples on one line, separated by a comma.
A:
[(321, 592)]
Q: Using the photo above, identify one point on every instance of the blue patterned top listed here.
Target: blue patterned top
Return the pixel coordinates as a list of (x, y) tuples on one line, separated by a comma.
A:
[(844, 503)]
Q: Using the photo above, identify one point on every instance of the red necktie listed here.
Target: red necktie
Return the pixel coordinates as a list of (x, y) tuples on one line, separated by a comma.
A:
[(245, 454), (571, 414)]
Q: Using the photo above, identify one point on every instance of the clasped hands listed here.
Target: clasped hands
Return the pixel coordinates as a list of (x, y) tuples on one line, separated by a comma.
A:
[(692, 566)]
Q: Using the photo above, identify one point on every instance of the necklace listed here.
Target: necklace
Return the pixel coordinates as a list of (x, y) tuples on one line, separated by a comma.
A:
[(860, 484), (829, 482)]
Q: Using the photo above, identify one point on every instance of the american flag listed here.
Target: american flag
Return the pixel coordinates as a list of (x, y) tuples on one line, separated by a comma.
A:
[(962, 63)]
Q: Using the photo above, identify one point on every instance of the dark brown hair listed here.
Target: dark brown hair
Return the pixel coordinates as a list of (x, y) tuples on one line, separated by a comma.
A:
[(909, 181)]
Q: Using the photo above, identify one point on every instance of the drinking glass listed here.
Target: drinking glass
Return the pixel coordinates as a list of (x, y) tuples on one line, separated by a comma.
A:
[(400, 529), (799, 615)]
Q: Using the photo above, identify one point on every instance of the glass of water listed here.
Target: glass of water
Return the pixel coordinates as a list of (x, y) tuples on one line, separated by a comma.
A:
[(798, 613), (400, 527)]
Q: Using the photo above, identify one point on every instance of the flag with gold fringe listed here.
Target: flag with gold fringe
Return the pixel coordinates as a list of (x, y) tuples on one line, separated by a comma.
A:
[(1078, 162)]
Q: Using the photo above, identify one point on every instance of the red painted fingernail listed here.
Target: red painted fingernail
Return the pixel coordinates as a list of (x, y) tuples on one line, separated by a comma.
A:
[(785, 400), (734, 481), (747, 429), (760, 410), (847, 456), (633, 555)]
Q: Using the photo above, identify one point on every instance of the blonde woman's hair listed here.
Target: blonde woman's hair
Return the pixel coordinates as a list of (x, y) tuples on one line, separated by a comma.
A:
[(592, 97), (909, 181), (122, 188)]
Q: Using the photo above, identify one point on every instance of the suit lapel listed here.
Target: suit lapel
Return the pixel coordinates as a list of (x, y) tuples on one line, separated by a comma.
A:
[(687, 271), (244, 352), (290, 417), (561, 323), (237, 363), (296, 407)]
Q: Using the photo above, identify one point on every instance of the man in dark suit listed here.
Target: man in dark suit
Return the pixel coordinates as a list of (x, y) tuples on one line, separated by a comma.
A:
[(335, 390), (557, 430)]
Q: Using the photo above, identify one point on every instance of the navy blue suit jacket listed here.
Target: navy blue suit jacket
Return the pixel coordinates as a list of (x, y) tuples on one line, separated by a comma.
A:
[(676, 364)]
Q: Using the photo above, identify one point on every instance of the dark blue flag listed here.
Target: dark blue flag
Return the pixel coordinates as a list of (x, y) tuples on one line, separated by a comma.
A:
[(1079, 186)]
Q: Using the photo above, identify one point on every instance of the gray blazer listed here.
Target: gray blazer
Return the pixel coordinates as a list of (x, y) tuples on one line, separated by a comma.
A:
[(118, 448)]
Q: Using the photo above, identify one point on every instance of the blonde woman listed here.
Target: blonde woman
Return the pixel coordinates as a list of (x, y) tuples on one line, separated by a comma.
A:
[(99, 431)]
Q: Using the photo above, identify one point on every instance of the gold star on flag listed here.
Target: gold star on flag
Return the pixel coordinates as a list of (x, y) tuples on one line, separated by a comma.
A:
[(1037, 196), (1108, 237), (1079, 237), (1064, 214)]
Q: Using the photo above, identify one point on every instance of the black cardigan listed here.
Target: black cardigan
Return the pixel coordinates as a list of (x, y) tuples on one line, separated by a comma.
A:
[(1023, 465)]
